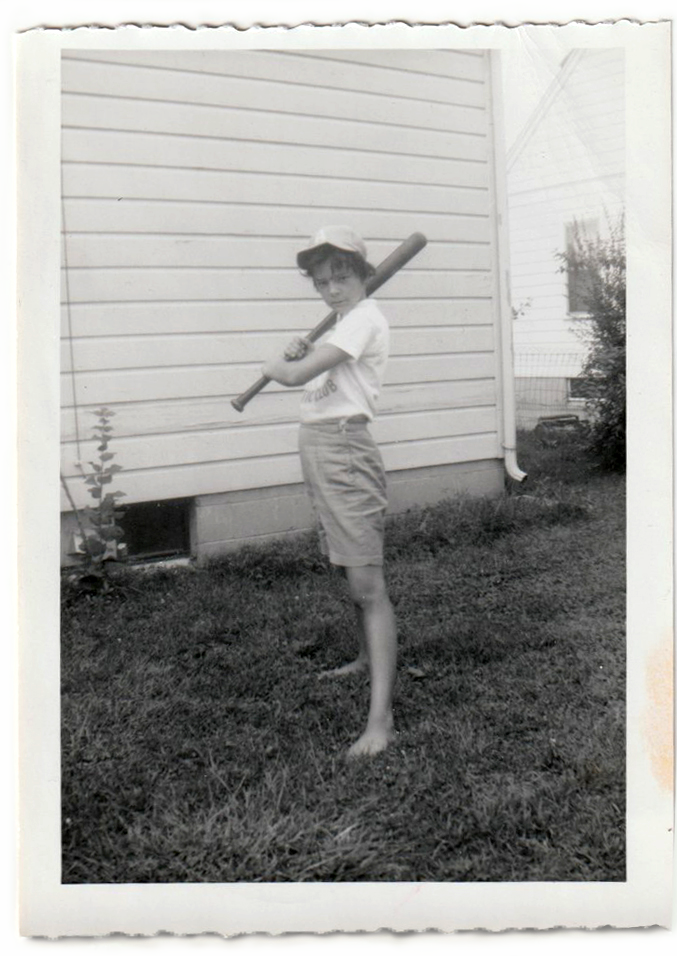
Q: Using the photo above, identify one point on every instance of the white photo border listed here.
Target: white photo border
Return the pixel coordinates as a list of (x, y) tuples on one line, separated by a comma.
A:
[(49, 908)]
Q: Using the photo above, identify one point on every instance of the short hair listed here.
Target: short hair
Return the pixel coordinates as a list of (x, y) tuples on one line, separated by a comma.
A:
[(338, 260)]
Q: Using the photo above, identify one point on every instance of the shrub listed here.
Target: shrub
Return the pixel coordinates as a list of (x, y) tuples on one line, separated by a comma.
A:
[(602, 261), (100, 531)]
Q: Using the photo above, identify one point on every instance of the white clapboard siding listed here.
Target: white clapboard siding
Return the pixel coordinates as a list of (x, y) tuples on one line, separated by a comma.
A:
[(191, 180), (595, 147), (157, 285), (565, 196), (466, 65), (539, 282), (588, 170), (207, 122), (249, 220), (214, 412), (285, 469), (133, 385), (570, 167), (246, 442), (579, 124), (139, 148), (346, 71), (550, 368), (189, 350), (583, 160), (536, 275), (550, 330), (229, 92), (542, 334), (544, 326), (171, 185), (243, 252), (116, 318)]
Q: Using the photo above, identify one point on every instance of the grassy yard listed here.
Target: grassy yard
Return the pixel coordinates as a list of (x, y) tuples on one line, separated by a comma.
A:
[(198, 744)]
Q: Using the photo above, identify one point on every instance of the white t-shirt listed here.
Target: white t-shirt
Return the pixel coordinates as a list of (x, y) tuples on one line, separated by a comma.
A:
[(352, 387)]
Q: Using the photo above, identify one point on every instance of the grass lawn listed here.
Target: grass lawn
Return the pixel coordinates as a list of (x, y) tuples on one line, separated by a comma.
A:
[(199, 745)]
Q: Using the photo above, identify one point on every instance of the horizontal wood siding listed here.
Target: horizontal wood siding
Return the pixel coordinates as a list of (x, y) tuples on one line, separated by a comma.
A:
[(190, 181), (571, 167)]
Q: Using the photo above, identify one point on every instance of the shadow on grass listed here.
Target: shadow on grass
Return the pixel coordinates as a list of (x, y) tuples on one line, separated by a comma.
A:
[(198, 744)]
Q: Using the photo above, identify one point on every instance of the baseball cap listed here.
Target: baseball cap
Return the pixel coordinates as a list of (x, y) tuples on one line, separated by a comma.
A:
[(341, 237)]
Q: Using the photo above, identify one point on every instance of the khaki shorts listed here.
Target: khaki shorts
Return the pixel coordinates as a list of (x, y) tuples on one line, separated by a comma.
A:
[(345, 479)]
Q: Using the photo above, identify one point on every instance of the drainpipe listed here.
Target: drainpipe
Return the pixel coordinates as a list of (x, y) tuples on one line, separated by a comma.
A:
[(502, 285)]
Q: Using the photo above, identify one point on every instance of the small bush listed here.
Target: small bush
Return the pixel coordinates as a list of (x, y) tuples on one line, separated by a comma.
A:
[(99, 524), (602, 260)]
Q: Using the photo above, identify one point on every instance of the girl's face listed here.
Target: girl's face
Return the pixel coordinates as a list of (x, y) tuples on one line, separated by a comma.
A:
[(341, 288)]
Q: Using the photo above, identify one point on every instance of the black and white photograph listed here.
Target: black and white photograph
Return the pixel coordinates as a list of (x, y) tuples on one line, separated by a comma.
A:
[(343, 405)]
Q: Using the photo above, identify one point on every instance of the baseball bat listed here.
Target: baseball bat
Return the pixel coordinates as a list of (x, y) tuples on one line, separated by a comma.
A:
[(393, 263)]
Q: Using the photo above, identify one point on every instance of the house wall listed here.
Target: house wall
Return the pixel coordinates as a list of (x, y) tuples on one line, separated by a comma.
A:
[(190, 180), (568, 164)]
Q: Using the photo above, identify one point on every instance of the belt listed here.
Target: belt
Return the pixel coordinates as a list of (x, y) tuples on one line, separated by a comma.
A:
[(352, 420)]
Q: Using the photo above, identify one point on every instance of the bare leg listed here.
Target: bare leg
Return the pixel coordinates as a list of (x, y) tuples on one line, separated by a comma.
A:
[(369, 594), (360, 662)]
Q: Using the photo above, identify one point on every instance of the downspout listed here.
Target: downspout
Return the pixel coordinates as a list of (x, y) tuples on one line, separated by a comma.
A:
[(502, 285)]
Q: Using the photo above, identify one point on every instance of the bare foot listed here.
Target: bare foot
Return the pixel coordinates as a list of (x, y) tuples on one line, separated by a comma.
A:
[(353, 668), (372, 741)]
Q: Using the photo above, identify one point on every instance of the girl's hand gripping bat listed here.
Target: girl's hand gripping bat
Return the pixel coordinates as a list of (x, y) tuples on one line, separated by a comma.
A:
[(394, 262)]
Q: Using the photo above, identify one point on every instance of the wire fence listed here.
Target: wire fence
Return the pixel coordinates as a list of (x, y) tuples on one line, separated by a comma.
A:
[(548, 384)]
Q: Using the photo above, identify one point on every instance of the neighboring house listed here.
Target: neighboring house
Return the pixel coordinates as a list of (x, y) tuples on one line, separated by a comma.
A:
[(190, 181), (567, 166)]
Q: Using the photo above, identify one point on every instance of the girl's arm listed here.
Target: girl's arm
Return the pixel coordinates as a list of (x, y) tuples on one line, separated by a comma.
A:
[(299, 371)]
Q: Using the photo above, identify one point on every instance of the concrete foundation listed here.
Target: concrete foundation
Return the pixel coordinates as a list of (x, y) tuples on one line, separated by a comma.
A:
[(226, 521)]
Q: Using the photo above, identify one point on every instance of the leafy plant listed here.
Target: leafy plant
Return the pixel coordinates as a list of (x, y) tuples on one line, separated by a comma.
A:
[(199, 746), (603, 261), (100, 531), (520, 310)]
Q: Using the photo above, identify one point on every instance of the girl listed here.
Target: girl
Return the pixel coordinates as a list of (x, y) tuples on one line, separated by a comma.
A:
[(342, 466)]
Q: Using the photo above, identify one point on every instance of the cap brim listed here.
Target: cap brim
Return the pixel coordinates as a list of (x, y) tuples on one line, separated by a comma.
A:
[(304, 257)]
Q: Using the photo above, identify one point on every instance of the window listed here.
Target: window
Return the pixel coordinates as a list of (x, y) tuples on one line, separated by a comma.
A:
[(579, 389), (156, 529), (578, 274)]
